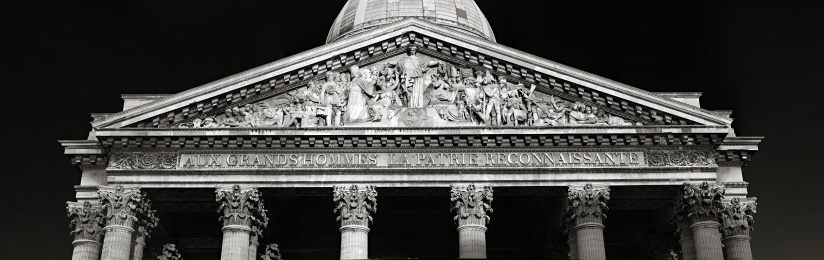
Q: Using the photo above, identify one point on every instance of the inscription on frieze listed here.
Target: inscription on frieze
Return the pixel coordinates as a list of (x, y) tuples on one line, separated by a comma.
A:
[(412, 160)]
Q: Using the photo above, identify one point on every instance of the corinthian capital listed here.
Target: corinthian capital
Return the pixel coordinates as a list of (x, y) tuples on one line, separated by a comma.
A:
[(700, 202), (170, 252), (587, 204), (272, 253), (471, 204), (87, 220), (240, 207), (355, 204), (121, 204), (737, 217)]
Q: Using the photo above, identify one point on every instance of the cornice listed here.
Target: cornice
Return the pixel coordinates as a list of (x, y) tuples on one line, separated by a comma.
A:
[(332, 50)]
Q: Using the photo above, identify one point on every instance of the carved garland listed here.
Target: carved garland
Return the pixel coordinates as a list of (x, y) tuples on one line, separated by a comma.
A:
[(87, 220), (354, 205), (471, 205), (133, 161), (679, 158), (243, 208)]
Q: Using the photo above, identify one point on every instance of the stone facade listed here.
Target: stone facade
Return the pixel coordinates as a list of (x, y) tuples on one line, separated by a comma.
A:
[(415, 100)]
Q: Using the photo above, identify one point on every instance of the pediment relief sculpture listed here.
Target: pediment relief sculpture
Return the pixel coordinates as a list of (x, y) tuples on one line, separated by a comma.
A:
[(410, 90)]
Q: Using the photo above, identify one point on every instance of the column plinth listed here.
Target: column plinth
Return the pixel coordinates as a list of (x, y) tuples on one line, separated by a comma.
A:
[(241, 209), (471, 205), (354, 208), (87, 221), (737, 225), (701, 207), (121, 204)]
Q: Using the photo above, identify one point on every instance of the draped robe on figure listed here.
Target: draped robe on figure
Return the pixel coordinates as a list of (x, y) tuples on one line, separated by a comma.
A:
[(360, 92), (414, 70)]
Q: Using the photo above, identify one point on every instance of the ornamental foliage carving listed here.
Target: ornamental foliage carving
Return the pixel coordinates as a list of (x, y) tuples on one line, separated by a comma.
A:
[(701, 202), (138, 161), (146, 219), (170, 252), (87, 220), (471, 205), (680, 158), (737, 217), (355, 205), (121, 204), (587, 204), (272, 253), (241, 207), (411, 90)]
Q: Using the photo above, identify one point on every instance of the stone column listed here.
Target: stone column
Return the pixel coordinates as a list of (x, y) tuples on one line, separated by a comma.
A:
[(146, 222), (470, 205), (737, 225), (572, 239), (701, 204), (683, 229), (87, 220), (170, 252), (239, 209), (354, 207), (585, 207), (256, 234), (121, 206)]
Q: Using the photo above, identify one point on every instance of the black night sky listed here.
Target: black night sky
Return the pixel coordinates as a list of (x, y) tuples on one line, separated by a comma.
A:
[(65, 61)]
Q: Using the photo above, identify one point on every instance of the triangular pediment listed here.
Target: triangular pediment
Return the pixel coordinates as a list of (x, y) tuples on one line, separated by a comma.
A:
[(291, 91)]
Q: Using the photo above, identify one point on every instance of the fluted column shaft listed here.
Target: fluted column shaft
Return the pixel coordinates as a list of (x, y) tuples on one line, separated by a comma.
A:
[(737, 248), (572, 242), (472, 242), (354, 206), (354, 242), (253, 245), (117, 243), (687, 244), (137, 246), (86, 250), (235, 243), (590, 238), (707, 240)]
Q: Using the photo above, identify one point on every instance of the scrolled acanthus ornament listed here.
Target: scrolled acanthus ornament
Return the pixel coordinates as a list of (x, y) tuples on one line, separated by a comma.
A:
[(701, 202), (146, 219), (121, 204), (240, 207), (170, 252), (272, 253), (587, 204), (355, 205), (737, 217), (139, 161), (471, 204), (679, 158), (87, 220)]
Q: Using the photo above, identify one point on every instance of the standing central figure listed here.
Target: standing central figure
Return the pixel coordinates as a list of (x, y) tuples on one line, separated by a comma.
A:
[(414, 71)]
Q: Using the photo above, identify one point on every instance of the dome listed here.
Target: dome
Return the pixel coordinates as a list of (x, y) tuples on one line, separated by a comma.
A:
[(360, 15)]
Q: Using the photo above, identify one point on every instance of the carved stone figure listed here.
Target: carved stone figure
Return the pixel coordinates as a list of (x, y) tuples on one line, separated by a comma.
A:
[(360, 91), (272, 253), (415, 71), (170, 252)]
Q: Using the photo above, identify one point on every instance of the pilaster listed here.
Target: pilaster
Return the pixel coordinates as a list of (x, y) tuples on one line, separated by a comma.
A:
[(585, 208), (736, 227), (87, 221), (240, 209), (701, 205), (354, 207), (122, 205), (471, 204)]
